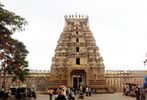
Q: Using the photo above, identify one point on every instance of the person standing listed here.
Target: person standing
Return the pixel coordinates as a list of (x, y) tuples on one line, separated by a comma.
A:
[(87, 91), (2, 93), (124, 90), (145, 87), (60, 96), (50, 93), (137, 92), (145, 93)]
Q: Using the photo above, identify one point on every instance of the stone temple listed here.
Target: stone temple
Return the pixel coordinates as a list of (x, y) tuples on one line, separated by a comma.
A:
[(77, 61)]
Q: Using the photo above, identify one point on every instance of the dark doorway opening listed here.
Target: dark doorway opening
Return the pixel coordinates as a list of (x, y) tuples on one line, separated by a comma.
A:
[(78, 79)]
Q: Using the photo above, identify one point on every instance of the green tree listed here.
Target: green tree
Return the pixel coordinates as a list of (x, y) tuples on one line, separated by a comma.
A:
[(12, 52)]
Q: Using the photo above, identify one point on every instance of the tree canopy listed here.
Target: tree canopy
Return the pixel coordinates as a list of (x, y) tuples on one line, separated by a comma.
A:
[(10, 22), (12, 52)]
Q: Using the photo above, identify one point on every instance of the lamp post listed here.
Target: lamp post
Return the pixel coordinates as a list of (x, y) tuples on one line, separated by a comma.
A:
[(145, 60)]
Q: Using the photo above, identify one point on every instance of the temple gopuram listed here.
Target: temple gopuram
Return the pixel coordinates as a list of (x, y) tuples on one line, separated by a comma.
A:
[(77, 61)]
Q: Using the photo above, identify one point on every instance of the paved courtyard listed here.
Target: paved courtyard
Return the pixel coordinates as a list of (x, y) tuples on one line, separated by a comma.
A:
[(115, 96)]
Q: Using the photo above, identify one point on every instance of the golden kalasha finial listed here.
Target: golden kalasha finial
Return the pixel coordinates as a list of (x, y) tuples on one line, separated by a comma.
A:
[(79, 16), (76, 15), (82, 16)]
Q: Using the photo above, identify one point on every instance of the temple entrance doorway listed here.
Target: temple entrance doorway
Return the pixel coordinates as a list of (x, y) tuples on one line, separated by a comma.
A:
[(78, 78)]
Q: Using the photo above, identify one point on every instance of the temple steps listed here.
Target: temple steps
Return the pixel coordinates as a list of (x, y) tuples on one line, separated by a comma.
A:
[(100, 86)]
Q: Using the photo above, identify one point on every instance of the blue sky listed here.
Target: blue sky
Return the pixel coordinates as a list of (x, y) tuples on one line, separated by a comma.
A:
[(118, 26)]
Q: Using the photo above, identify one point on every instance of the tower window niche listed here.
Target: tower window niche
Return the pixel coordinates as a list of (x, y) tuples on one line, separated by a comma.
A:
[(77, 33), (77, 49), (78, 61), (77, 40)]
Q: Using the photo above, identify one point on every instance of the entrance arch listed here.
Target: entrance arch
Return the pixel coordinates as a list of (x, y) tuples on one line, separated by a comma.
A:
[(78, 78)]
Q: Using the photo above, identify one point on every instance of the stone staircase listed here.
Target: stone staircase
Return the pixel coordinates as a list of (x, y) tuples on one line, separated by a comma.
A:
[(100, 86)]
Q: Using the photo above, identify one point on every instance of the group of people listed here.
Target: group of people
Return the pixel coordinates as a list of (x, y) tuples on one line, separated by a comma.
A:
[(62, 94), (144, 88), (136, 91), (88, 91), (17, 93), (128, 90), (139, 92), (4, 94)]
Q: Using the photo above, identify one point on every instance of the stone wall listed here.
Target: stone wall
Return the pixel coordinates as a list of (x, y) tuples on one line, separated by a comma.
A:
[(114, 78), (37, 79), (117, 78)]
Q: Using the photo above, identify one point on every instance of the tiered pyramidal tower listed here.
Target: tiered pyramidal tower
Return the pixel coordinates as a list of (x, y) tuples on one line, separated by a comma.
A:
[(77, 61)]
